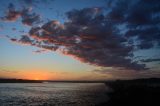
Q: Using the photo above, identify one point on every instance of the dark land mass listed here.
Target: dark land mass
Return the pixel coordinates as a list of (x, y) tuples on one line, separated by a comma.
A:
[(6, 80), (139, 92), (70, 81), (3, 80)]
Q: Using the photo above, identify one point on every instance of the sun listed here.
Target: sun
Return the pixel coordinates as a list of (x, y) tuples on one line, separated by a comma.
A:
[(36, 75), (36, 78)]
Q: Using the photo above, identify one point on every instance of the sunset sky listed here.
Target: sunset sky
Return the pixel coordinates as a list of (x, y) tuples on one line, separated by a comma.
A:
[(79, 39)]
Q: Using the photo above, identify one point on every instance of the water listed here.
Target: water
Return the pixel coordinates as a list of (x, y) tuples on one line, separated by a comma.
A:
[(52, 94)]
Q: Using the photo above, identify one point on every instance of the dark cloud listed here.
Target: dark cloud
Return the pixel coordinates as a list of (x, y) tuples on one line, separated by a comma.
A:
[(89, 39), (26, 40), (39, 51), (95, 36), (151, 60), (12, 14), (13, 39), (23, 40), (28, 17), (142, 19), (145, 45)]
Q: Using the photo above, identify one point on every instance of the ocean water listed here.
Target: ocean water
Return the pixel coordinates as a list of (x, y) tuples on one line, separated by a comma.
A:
[(52, 94)]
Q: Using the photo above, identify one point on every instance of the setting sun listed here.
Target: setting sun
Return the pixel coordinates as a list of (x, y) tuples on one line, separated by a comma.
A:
[(36, 78), (37, 75)]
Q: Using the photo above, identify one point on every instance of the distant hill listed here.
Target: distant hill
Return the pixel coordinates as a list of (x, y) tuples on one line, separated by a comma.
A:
[(3, 80)]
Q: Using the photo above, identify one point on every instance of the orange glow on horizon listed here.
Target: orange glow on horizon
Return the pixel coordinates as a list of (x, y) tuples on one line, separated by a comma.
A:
[(37, 75)]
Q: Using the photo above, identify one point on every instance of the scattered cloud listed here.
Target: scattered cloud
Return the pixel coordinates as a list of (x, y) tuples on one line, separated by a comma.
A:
[(12, 14), (39, 51), (28, 17)]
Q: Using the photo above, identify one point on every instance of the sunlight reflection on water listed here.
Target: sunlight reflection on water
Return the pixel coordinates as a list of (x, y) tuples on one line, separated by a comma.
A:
[(52, 94)]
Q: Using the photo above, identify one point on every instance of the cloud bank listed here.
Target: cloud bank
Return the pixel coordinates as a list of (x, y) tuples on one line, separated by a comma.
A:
[(101, 36)]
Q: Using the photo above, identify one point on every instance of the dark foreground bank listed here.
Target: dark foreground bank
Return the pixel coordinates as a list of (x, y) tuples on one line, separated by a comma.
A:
[(134, 93)]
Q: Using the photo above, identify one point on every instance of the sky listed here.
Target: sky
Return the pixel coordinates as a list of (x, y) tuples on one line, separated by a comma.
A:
[(79, 39)]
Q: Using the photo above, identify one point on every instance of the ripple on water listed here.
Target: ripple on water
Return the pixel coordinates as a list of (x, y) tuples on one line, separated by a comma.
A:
[(53, 94)]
